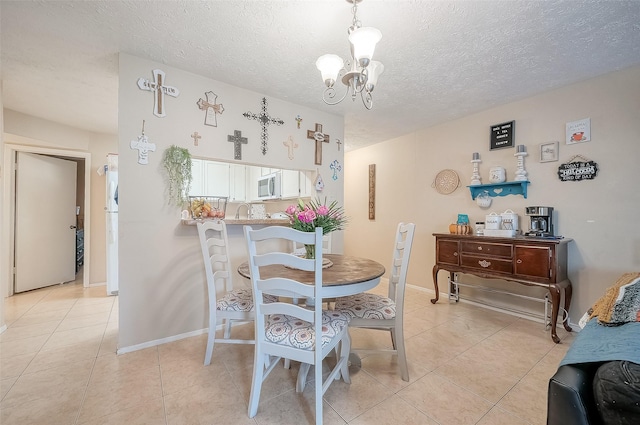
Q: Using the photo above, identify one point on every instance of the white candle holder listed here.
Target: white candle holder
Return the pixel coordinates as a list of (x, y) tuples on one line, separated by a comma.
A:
[(521, 173), (475, 178)]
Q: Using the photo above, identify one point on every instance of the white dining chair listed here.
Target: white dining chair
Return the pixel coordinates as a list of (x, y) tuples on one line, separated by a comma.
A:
[(234, 304), (285, 330), (372, 311)]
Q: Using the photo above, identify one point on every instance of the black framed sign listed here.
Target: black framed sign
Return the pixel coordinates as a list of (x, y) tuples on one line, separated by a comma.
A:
[(502, 135)]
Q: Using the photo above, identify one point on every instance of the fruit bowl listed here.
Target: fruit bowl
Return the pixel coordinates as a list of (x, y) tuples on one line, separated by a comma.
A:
[(204, 207)]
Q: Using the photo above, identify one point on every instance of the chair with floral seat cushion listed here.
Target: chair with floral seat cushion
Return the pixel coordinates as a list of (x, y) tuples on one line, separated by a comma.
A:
[(234, 304), (285, 330), (372, 311)]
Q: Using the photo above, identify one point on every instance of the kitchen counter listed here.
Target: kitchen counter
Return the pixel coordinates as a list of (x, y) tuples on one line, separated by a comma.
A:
[(242, 221)]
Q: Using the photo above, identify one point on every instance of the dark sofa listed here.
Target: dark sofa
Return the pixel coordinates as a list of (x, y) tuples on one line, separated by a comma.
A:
[(570, 399)]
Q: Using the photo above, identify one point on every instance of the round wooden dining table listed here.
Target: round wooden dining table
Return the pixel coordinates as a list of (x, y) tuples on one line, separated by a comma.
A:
[(347, 275)]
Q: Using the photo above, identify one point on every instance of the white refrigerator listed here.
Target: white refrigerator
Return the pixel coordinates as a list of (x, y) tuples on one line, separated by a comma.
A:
[(111, 208)]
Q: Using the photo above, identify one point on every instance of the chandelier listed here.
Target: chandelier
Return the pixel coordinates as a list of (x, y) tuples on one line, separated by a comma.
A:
[(360, 75)]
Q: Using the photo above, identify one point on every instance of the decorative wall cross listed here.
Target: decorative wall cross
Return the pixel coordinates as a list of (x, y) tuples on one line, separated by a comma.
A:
[(237, 141), (289, 143), (339, 143), (195, 136), (143, 146), (211, 107), (298, 120), (264, 119), (159, 90), (335, 166), (320, 138)]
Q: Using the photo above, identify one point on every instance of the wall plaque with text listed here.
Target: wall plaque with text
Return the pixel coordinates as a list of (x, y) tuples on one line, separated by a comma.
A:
[(502, 135)]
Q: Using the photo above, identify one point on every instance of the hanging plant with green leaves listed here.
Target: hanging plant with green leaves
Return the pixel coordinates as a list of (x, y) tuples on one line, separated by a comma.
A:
[(177, 163)]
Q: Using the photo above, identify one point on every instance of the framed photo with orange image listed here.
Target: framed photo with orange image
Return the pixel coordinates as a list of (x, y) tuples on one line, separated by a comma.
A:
[(579, 131)]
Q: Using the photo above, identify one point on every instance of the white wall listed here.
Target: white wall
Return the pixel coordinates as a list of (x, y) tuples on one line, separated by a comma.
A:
[(162, 283), (600, 215)]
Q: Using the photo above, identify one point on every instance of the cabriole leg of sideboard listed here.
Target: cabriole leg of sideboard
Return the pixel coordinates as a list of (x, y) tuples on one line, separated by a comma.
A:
[(435, 284), (554, 291)]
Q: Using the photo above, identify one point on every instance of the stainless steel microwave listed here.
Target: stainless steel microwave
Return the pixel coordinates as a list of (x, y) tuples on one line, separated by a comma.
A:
[(270, 186)]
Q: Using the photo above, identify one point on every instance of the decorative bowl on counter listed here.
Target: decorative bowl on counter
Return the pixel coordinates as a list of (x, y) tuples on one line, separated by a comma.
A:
[(208, 206)]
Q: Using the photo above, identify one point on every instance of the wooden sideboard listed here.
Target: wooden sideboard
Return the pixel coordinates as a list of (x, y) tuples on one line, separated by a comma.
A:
[(528, 261)]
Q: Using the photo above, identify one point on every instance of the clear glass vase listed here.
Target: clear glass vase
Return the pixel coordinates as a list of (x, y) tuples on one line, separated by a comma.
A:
[(310, 251)]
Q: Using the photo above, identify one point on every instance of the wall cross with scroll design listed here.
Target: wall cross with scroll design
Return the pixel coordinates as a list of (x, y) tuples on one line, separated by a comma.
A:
[(320, 138), (264, 119)]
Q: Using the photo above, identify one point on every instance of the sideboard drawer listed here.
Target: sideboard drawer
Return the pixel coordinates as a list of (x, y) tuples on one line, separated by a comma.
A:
[(484, 248), (447, 252), (487, 264)]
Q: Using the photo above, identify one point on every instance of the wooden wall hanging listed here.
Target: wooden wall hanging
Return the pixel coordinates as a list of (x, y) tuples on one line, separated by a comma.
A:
[(159, 90), (372, 191), (291, 145), (211, 108), (319, 138), (578, 168), (237, 141), (264, 119)]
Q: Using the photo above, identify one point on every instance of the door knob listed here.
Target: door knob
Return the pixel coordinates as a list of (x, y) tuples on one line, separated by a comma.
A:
[(72, 227)]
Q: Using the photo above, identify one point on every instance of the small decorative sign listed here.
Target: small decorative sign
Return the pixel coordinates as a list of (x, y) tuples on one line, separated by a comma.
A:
[(502, 135), (578, 168), (579, 131)]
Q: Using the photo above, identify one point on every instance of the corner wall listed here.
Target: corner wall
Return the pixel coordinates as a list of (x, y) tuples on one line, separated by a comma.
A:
[(600, 215)]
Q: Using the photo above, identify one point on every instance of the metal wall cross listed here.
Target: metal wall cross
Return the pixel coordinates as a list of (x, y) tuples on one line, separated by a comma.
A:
[(320, 138), (159, 90), (211, 107), (237, 141), (264, 119)]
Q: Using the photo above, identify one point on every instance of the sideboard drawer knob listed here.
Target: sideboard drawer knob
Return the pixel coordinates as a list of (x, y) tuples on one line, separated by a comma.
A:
[(455, 254), (519, 261), (479, 248)]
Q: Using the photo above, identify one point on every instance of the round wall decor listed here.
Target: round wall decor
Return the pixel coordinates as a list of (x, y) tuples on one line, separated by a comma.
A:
[(446, 181)]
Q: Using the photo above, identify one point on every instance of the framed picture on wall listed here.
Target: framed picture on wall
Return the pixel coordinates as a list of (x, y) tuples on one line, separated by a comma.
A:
[(549, 151)]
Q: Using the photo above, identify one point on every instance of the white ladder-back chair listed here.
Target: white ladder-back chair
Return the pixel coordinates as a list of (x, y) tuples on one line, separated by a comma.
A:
[(373, 311), (234, 304), (285, 330)]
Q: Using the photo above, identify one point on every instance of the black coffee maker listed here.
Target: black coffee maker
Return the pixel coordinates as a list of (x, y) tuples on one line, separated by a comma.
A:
[(541, 221)]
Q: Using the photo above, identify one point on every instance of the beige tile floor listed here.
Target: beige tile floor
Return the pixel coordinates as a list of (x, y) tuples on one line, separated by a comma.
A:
[(467, 365)]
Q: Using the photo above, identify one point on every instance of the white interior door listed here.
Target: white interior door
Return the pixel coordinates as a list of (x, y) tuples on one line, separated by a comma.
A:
[(45, 230)]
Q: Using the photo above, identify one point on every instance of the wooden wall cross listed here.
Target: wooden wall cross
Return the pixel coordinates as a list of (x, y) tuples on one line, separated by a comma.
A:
[(320, 138), (264, 119), (237, 141), (159, 90), (211, 107), (195, 136)]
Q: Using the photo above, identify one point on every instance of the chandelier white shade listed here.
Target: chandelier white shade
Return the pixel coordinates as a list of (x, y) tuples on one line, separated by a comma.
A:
[(360, 75)]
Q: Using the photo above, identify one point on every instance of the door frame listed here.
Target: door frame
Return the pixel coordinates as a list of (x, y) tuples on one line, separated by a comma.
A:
[(8, 205)]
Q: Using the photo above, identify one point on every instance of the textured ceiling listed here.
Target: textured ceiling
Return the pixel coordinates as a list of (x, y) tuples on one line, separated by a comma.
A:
[(443, 59)]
